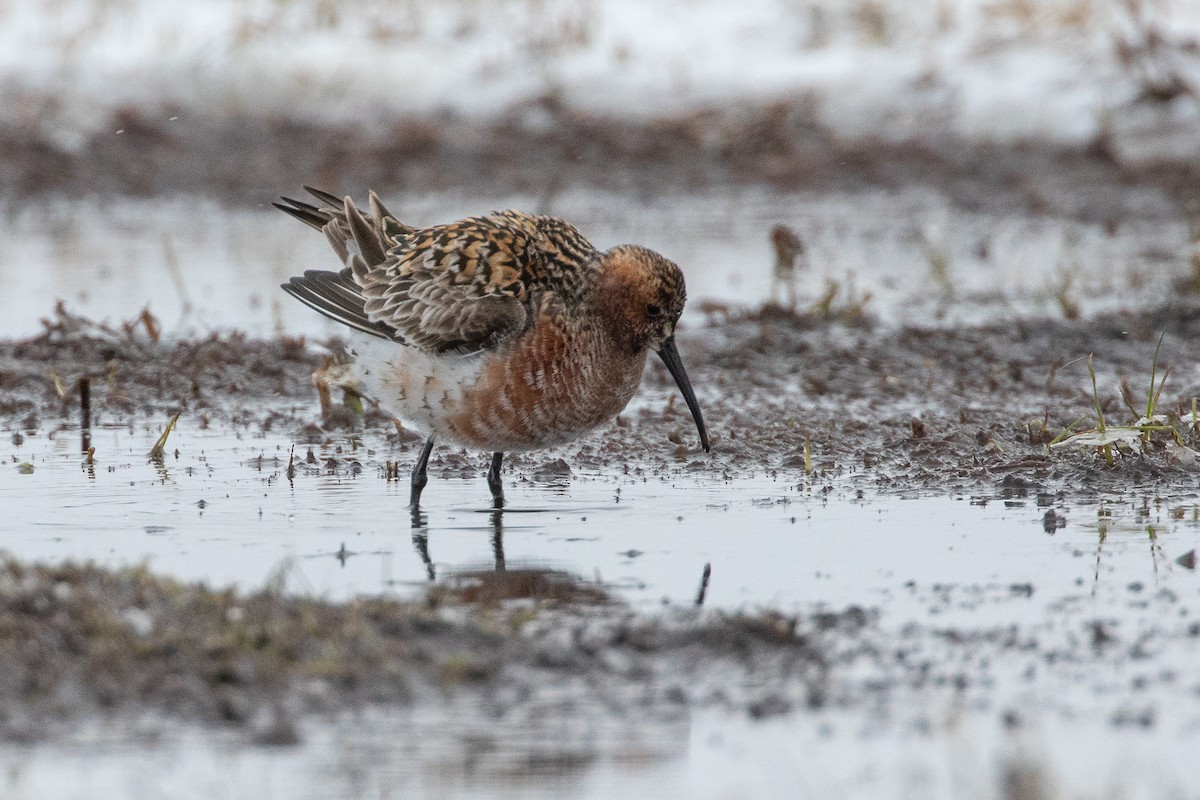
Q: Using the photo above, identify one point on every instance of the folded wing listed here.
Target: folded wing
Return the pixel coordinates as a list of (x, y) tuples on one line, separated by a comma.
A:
[(461, 287)]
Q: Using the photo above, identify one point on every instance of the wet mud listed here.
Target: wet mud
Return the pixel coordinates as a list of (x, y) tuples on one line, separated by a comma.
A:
[(801, 398), (542, 147), (86, 640)]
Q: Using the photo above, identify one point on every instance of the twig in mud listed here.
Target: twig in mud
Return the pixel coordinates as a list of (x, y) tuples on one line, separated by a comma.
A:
[(150, 323), (85, 403), (852, 312), (145, 320), (156, 452), (704, 576), (85, 415), (1100, 426)]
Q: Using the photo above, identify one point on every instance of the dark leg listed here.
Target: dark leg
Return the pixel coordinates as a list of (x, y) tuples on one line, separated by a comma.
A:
[(494, 481), (419, 479)]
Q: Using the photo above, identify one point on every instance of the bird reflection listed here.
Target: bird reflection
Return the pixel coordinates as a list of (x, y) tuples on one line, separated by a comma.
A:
[(500, 583), (498, 538), (420, 539)]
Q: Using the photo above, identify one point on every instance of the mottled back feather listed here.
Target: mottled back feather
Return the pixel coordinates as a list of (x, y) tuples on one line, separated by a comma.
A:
[(459, 287)]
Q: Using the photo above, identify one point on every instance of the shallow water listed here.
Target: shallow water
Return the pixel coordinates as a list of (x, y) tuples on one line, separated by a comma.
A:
[(706, 755), (1067, 617), (221, 509), (916, 254), (948, 577)]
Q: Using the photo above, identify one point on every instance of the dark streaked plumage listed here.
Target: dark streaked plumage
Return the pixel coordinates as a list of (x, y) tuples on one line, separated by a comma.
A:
[(507, 331)]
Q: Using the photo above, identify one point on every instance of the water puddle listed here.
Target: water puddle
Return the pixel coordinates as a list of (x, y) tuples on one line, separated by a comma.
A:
[(904, 256), (1024, 588), (1044, 636), (705, 754), (221, 509)]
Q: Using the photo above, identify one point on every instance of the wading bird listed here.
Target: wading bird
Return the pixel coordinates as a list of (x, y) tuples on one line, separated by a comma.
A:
[(504, 332)]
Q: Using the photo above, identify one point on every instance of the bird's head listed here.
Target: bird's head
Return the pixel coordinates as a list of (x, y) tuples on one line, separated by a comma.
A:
[(641, 295)]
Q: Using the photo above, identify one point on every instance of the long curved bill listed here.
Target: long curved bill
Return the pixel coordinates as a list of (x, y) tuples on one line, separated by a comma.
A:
[(670, 357)]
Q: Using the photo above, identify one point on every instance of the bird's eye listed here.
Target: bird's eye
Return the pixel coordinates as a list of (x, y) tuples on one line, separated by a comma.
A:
[(653, 310)]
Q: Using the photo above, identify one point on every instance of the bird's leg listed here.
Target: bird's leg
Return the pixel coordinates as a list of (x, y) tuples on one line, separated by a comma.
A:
[(494, 481), (419, 478)]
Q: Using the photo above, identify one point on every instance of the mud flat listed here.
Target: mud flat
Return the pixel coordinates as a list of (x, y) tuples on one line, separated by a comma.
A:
[(898, 408), (1038, 597)]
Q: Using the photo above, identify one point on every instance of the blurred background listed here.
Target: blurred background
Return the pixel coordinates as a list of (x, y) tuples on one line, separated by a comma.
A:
[(890, 162), (944, 161)]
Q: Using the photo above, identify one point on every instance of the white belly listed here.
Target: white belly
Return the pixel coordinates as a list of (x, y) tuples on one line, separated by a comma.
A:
[(421, 389), (503, 400)]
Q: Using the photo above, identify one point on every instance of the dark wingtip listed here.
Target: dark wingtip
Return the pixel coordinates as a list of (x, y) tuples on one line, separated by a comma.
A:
[(305, 212), (294, 203), (324, 196)]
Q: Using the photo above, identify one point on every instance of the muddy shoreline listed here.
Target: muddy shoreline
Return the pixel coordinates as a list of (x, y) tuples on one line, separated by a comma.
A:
[(81, 640), (793, 396), (543, 147), (800, 398)]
